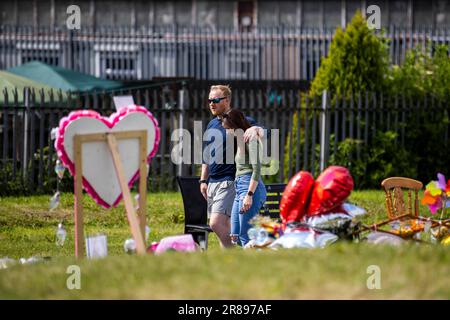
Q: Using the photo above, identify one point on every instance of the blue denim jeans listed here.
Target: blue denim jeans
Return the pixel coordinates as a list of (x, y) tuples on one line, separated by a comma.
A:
[(240, 220)]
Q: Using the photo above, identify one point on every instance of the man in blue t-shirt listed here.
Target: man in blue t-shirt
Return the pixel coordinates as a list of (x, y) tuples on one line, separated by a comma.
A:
[(218, 168)]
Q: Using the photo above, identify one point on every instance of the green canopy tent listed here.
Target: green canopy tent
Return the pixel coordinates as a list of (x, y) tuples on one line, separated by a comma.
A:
[(10, 82), (64, 79)]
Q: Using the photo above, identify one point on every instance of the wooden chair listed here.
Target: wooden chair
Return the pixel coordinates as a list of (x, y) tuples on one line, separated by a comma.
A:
[(401, 209), (395, 202)]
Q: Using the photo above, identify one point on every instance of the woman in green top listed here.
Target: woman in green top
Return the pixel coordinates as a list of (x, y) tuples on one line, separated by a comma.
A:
[(250, 190)]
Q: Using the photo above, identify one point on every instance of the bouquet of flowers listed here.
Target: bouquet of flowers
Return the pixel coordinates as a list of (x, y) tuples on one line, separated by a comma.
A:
[(437, 195)]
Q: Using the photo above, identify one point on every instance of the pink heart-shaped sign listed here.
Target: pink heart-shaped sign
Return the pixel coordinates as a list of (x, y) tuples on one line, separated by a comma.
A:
[(99, 176)]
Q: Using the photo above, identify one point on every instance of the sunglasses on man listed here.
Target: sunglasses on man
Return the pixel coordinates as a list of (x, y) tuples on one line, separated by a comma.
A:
[(216, 100)]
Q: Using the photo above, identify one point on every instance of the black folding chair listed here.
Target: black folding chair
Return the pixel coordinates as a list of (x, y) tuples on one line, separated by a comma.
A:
[(195, 210), (271, 207)]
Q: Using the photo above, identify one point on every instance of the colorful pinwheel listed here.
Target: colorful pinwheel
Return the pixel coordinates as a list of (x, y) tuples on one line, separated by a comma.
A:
[(436, 195)]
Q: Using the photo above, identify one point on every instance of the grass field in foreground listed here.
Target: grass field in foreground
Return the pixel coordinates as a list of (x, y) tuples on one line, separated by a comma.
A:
[(336, 272)]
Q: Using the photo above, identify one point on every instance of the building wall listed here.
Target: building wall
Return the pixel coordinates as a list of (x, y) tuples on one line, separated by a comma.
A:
[(299, 13)]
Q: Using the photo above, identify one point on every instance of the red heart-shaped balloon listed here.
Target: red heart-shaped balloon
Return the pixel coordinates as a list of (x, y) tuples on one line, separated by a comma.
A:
[(294, 202), (330, 190)]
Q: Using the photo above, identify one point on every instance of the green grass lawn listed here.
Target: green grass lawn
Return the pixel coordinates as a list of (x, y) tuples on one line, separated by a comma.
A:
[(339, 271)]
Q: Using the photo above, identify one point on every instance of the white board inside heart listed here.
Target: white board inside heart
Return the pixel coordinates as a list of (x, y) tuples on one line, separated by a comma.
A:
[(99, 176)]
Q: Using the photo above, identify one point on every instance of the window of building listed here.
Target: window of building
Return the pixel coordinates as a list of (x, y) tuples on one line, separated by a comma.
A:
[(117, 61), (49, 53), (241, 63), (118, 67), (51, 59)]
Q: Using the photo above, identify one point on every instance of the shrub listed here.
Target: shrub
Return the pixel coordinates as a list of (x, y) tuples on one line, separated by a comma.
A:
[(421, 73), (379, 159), (12, 185), (357, 61)]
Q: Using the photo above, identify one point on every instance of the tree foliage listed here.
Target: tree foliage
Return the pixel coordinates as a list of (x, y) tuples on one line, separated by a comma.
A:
[(357, 61), (422, 72)]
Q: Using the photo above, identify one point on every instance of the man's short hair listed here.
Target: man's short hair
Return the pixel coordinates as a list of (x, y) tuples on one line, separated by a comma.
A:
[(225, 89)]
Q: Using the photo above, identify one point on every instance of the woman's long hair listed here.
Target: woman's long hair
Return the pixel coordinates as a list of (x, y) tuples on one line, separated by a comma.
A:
[(235, 119)]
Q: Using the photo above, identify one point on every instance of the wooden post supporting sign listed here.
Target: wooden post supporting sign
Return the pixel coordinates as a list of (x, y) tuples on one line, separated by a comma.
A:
[(137, 222)]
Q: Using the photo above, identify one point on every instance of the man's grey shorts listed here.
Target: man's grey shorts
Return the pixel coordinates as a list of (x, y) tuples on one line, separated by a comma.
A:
[(220, 197)]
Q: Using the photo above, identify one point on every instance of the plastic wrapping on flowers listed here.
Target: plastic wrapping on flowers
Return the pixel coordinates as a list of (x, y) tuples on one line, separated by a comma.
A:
[(312, 232), (313, 213)]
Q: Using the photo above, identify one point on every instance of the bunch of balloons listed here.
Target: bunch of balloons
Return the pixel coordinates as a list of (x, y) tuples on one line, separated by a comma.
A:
[(304, 197)]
